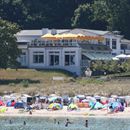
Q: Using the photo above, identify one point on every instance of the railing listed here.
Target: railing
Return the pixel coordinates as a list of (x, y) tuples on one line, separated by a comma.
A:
[(59, 44)]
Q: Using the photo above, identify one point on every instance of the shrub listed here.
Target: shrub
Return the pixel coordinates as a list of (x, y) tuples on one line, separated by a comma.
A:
[(25, 83)]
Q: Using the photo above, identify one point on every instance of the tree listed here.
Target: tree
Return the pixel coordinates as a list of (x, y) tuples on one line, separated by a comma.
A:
[(115, 13), (14, 11), (82, 16), (8, 45)]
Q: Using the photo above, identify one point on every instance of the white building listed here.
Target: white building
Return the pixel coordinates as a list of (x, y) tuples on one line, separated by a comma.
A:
[(70, 54)]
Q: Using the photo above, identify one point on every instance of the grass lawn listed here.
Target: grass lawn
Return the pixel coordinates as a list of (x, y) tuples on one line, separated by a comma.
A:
[(40, 81)]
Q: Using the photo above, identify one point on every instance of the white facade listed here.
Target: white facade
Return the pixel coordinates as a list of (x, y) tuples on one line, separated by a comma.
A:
[(66, 57), (116, 42)]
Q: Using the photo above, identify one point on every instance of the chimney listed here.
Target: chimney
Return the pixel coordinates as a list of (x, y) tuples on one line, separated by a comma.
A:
[(44, 31)]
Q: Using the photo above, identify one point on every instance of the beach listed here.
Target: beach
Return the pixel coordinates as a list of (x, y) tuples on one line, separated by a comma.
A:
[(56, 120), (82, 112)]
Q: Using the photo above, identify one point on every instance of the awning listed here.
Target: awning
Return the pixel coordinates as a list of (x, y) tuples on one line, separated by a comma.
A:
[(71, 36), (49, 36), (98, 56)]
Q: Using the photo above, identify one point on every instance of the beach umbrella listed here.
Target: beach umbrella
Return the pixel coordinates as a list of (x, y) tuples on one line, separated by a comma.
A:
[(72, 106), (98, 105), (115, 104), (91, 104), (3, 109), (55, 106), (8, 104)]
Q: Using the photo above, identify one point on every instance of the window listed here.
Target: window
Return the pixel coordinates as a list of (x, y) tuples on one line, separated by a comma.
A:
[(53, 58), (107, 41), (38, 57), (69, 58), (123, 46), (113, 43)]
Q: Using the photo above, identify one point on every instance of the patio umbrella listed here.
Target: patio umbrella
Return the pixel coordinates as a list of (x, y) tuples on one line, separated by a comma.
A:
[(115, 58), (121, 56), (49, 36), (66, 36), (127, 56), (99, 38)]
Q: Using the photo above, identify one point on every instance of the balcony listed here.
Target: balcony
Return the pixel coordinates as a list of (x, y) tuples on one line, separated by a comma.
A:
[(52, 44)]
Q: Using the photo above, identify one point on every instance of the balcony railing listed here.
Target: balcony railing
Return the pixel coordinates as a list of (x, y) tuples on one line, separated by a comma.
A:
[(52, 44)]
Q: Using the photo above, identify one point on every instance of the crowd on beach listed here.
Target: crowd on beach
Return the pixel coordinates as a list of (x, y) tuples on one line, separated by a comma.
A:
[(53, 102)]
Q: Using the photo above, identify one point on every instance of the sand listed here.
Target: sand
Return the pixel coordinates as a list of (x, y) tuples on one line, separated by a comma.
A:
[(82, 112)]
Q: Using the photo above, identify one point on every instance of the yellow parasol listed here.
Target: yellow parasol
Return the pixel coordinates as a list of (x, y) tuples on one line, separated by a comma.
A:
[(66, 36), (71, 36), (49, 36), (90, 38)]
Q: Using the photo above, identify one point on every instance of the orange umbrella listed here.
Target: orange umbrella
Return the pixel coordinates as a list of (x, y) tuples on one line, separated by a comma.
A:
[(49, 36), (66, 36)]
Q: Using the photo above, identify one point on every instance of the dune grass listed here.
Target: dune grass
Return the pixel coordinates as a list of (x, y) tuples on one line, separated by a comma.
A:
[(33, 81)]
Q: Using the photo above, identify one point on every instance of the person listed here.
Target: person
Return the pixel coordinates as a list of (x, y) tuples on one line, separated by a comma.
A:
[(67, 122), (10, 121), (24, 123), (86, 123), (30, 112)]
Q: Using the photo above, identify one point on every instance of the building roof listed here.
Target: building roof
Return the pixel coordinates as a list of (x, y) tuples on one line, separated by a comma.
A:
[(37, 32), (29, 32), (86, 31), (98, 32), (125, 41), (98, 56), (62, 31)]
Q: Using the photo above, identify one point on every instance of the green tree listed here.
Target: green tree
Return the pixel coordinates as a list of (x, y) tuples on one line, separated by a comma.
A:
[(115, 13), (14, 11), (82, 16), (8, 46)]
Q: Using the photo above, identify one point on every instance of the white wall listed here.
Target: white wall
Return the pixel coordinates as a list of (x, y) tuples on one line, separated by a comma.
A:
[(118, 38), (73, 68)]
